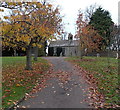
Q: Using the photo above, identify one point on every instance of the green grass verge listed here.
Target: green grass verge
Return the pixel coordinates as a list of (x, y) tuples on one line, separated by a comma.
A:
[(105, 70), (17, 81)]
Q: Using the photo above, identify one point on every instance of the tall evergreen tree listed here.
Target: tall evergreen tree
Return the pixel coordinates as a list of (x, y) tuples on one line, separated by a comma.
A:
[(102, 22)]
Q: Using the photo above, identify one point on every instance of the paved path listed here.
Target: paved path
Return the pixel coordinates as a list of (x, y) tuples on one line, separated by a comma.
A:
[(72, 94)]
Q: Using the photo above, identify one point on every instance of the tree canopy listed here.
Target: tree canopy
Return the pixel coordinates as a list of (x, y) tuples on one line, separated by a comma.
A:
[(30, 24), (89, 37), (102, 22)]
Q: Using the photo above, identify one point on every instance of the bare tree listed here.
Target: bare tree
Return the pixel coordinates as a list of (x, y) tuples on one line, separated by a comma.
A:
[(118, 42), (115, 40), (90, 10)]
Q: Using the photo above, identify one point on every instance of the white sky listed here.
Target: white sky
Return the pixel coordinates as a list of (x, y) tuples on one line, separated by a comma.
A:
[(69, 8)]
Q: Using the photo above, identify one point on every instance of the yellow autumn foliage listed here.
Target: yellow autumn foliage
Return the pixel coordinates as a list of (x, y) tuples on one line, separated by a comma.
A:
[(31, 26)]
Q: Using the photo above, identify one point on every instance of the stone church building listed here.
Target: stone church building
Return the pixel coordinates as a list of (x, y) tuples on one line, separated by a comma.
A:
[(68, 47)]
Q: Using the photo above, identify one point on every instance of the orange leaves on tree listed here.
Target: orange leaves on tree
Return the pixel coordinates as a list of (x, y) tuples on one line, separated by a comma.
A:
[(89, 38), (5, 17)]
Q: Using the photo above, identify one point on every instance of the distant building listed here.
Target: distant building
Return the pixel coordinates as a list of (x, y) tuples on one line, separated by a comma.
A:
[(68, 47)]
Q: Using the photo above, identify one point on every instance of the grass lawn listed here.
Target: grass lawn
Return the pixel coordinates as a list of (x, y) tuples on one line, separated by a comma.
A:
[(105, 71), (16, 81)]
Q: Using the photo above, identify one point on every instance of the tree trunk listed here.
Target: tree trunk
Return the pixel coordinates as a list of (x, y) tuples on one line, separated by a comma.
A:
[(28, 59), (80, 51), (81, 57), (15, 54), (36, 53)]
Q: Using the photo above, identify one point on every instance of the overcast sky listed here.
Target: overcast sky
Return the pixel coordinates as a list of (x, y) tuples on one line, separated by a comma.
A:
[(69, 8)]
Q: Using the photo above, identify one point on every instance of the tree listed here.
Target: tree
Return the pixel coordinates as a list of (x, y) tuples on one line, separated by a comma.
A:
[(102, 22), (31, 25), (88, 36), (115, 40), (89, 11)]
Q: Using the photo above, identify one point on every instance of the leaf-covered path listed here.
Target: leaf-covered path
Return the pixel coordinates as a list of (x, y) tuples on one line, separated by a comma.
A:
[(64, 89)]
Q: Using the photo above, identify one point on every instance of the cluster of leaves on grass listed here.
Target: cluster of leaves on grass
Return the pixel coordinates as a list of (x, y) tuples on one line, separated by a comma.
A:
[(17, 81), (105, 73)]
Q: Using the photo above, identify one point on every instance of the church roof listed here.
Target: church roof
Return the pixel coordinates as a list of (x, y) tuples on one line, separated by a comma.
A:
[(64, 43)]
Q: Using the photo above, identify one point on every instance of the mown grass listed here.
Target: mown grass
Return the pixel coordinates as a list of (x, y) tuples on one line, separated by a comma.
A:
[(16, 81), (105, 70)]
